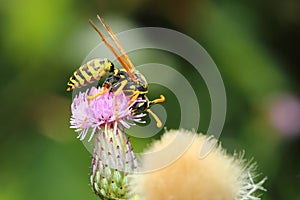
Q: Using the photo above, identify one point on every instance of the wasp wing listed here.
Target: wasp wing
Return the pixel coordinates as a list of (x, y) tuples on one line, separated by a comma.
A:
[(117, 42), (115, 52)]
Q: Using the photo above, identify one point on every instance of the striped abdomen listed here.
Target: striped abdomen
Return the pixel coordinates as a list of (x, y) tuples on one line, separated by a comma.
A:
[(90, 72)]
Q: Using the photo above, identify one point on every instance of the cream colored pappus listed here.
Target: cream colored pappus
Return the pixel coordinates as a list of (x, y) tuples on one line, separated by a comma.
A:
[(218, 176)]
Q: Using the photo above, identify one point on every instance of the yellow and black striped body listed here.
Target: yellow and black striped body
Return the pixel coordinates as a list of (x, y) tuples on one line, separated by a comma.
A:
[(95, 69), (113, 82), (137, 87), (90, 72)]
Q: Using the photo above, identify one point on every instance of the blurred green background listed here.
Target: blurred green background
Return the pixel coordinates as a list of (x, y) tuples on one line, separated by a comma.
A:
[(255, 45)]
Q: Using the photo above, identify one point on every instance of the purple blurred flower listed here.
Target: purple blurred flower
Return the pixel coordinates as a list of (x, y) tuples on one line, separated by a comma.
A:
[(285, 115), (101, 113)]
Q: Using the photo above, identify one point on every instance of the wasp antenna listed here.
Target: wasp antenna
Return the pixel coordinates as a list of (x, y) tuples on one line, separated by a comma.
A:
[(110, 46), (158, 122), (117, 42)]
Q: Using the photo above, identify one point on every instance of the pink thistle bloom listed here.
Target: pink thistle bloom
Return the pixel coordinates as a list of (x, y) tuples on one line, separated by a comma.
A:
[(101, 113), (105, 119)]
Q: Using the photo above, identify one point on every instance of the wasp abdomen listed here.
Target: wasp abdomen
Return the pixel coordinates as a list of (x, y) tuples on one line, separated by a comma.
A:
[(90, 72)]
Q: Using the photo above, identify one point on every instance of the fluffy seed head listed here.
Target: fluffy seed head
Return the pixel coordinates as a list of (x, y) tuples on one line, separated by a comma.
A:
[(217, 176)]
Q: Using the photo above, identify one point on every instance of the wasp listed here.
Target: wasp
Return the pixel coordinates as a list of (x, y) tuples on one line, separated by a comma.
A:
[(128, 79)]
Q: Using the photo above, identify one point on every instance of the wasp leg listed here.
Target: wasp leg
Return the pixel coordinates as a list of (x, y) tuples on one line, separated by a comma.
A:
[(102, 73), (158, 122), (97, 95), (160, 100), (84, 121), (134, 97), (116, 108), (155, 101), (121, 87), (116, 93)]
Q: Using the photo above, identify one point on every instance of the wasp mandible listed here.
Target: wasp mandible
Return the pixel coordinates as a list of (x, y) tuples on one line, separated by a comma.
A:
[(129, 80)]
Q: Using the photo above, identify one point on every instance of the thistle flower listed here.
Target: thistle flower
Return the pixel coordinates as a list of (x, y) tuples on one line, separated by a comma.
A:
[(217, 176), (113, 160), (105, 118), (106, 110)]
